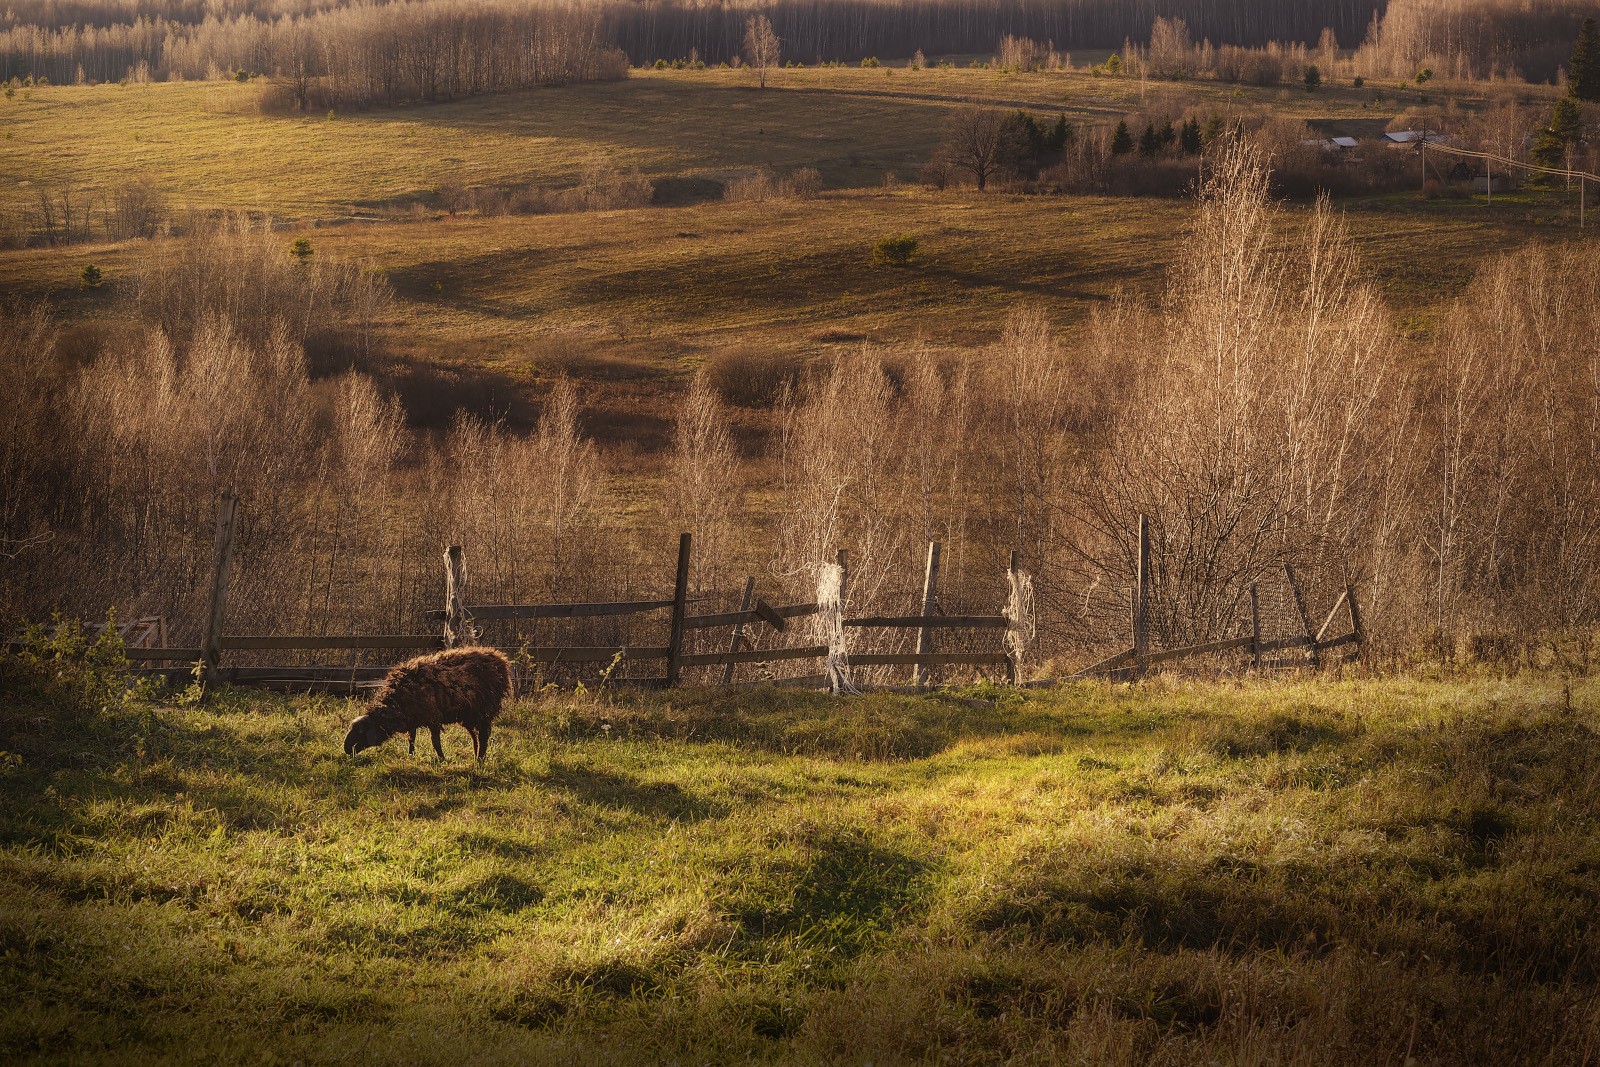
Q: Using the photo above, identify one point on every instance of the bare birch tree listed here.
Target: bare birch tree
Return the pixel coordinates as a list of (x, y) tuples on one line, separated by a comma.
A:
[(762, 49)]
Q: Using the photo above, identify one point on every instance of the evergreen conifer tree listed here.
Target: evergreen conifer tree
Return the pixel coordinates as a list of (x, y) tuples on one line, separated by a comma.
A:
[(1583, 73)]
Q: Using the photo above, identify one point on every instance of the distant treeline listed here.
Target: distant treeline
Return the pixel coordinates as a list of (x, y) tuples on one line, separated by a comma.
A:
[(423, 49), (1475, 38), (358, 56), (69, 41), (854, 29)]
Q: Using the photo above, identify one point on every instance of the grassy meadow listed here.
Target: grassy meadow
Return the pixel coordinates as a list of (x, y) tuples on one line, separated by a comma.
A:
[(628, 302), (210, 144), (1324, 871)]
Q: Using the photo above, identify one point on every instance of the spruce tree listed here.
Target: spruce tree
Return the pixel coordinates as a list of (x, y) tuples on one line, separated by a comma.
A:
[(1189, 137), (1150, 141), (1564, 128), (1121, 140), (1583, 74), (1060, 135)]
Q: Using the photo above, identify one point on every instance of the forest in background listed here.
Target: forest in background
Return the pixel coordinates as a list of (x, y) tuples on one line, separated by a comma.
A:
[(388, 53)]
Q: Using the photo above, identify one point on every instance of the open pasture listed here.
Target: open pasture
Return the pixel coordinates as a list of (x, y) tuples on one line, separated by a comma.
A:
[(1355, 871)]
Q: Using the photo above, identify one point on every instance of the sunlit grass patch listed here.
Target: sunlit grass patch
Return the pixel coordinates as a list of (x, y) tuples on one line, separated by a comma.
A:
[(1316, 870)]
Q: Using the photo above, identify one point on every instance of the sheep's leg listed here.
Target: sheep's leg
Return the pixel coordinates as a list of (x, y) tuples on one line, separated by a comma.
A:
[(483, 741), (411, 742), (437, 747)]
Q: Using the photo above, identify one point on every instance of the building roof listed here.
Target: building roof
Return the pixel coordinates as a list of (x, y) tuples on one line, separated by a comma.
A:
[(1413, 136)]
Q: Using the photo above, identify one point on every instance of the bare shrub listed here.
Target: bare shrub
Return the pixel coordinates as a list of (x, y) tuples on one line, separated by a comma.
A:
[(1512, 480), (1251, 445), (703, 471), (753, 188), (29, 441), (805, 182), (1020, 53), (751, 377), (137, 210), (604, 188), (841, 461), (762, 184)]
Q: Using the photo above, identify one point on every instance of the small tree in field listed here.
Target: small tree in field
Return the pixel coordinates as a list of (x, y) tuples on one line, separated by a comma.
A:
[(762, 49), (896, 250), (1121, 140), (1313, 78), (90, 278), (984, 142), (301, 249)]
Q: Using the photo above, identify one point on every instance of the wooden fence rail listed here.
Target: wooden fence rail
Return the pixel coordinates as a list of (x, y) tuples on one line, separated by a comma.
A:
[(459, 619)]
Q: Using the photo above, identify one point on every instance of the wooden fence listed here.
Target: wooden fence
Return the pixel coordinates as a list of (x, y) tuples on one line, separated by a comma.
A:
[(1136, 660), (458, 624)]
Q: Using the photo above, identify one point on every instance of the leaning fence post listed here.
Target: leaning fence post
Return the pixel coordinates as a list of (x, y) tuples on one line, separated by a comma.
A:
[(930, 595), (1356, 626), (1141, 600), (738, 627), (680, 603), (1255, 626), (217, 600), (1300, 609), (457, 627)]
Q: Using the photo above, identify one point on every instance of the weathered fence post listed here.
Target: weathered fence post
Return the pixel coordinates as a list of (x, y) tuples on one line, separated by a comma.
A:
[(1305, 617), (1255, 627), (457, 628), (680, 604), (738, 627), (217, 599), (1014, 620), (930, 595), (1141, 601)]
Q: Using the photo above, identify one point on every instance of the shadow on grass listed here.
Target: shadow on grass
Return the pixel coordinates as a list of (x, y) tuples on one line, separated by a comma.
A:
[(653, 800), (874, 727), (844, 893)]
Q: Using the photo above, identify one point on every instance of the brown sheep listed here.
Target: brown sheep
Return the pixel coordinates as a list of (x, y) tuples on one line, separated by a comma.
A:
[(464, 685)]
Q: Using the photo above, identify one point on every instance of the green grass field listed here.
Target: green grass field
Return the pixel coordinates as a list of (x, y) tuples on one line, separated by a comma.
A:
[(1354, 871)]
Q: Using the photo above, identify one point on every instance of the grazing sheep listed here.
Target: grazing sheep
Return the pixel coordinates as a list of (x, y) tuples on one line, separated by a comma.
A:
[(464, 685)]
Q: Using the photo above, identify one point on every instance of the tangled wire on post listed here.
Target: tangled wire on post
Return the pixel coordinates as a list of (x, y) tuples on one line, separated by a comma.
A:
[(830, 617), (1020, 628)]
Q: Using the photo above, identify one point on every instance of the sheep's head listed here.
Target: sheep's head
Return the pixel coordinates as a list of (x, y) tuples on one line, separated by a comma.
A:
[(364, 733)]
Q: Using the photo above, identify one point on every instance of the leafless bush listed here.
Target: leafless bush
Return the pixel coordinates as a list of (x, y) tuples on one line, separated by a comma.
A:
[(762, 184), (753, 188), (751, 377), (604, 188), (1244, 445), (703, 473), (804, 182), (238, 271), (137, 210), (1020, 53)]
